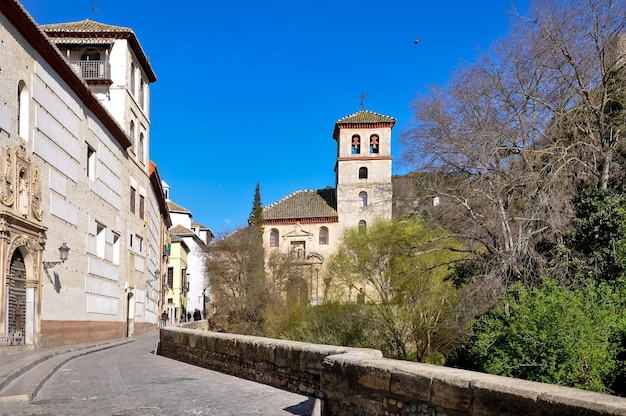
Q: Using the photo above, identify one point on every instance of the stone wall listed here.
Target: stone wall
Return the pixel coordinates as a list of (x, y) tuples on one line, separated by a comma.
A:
[(352, 381)]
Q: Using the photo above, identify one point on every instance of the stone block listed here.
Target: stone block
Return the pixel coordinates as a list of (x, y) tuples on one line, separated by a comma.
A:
[(494, 395), (575, 402), (451, 389), (412, 380)]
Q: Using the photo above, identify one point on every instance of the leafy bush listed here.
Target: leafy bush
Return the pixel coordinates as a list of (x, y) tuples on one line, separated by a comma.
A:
[(552, 334), (332, 324)]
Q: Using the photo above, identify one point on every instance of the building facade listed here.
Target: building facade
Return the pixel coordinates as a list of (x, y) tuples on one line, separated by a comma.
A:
[(74, 145), (196, 237), (307, 225)]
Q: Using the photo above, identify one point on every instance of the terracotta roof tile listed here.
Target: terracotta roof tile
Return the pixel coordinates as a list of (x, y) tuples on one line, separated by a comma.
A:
[(173, 207), (180, 230), (303, 204), (85, 26), (199, 226), (365, 117)]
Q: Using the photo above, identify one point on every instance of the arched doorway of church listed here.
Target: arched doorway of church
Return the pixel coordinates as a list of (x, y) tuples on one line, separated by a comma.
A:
[(16, 299)]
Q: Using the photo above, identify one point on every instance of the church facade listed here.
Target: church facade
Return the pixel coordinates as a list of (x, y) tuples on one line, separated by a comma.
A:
[(307, 225), (82, 211)]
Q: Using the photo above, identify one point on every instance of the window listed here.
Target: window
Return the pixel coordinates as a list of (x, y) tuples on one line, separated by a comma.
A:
[(170, 277), (142, 201), (133, 193), (274, 238), (131, 133), (323, 236), (100, 240), (142, 87), (183, 280), (22, 110), (91, 163), (116, 248), (132, 79), (374, 143), (362, 199), (140, 148), (356, 144), (362, 226), (362, 172), (140, 243)]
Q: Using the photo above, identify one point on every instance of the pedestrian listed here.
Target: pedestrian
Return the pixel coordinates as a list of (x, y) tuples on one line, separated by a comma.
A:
[(164, 318), (188, 316), (196, 315)]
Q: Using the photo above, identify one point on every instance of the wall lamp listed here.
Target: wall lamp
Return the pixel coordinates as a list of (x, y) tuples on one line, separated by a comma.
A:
[(63, 251)]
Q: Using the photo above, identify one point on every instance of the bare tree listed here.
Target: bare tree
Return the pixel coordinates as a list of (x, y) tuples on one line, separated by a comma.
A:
[(507, 140), (239, 294)]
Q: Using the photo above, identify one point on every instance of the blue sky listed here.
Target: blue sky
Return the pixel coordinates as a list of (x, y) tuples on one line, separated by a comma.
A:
[(249, 91)]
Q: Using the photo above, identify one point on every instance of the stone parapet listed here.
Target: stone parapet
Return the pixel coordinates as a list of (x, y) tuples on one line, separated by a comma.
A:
[(352, 381)]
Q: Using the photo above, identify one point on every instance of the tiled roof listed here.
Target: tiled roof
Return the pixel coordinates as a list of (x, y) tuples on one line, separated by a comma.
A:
[(199, 226), (85, 26), (365, 117), (303, 204), (180, 230), (173, 207), (175, 239)]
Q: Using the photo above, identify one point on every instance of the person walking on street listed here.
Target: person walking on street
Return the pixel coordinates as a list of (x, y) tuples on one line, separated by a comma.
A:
[(164, 318)]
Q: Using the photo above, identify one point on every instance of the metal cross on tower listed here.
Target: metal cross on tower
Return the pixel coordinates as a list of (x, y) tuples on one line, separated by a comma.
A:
[(93, 9), (362, 97)]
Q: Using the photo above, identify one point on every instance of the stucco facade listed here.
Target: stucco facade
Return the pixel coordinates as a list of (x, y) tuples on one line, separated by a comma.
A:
[(72, 174), (196, 237)]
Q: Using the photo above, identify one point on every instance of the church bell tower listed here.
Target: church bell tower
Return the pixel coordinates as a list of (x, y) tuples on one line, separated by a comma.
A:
[(363, 168)]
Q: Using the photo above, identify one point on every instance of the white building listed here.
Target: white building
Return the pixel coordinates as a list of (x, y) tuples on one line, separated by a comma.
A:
[(74, 146), (307, 224), (196, 237)]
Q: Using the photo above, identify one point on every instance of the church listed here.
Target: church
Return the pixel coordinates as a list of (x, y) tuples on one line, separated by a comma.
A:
[(307, 225)]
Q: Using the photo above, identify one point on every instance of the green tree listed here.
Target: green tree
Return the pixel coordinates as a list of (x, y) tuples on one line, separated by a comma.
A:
[(596, 247), (400, 266), (554, 335)]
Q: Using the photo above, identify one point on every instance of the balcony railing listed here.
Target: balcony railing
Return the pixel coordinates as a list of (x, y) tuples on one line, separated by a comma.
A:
[(91, 70)]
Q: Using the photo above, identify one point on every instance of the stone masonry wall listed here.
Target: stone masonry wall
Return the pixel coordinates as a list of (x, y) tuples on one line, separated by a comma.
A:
[(352, 381)]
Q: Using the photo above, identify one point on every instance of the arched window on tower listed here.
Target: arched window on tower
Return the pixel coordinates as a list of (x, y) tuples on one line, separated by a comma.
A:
[(356, 144), (274, 238), (362, 199), (374, 142), (140, 148), (362, 226), (90, 65), (131, 133), (362, 172), (323, 236)]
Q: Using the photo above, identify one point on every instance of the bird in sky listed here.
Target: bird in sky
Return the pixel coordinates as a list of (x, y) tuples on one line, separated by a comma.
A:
[(416, 41)]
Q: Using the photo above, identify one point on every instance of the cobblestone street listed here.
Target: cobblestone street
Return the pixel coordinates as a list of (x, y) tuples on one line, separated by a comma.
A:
[(131, 380)]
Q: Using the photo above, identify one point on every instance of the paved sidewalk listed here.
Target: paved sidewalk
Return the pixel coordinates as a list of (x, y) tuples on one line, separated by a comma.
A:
[(23, 373)]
